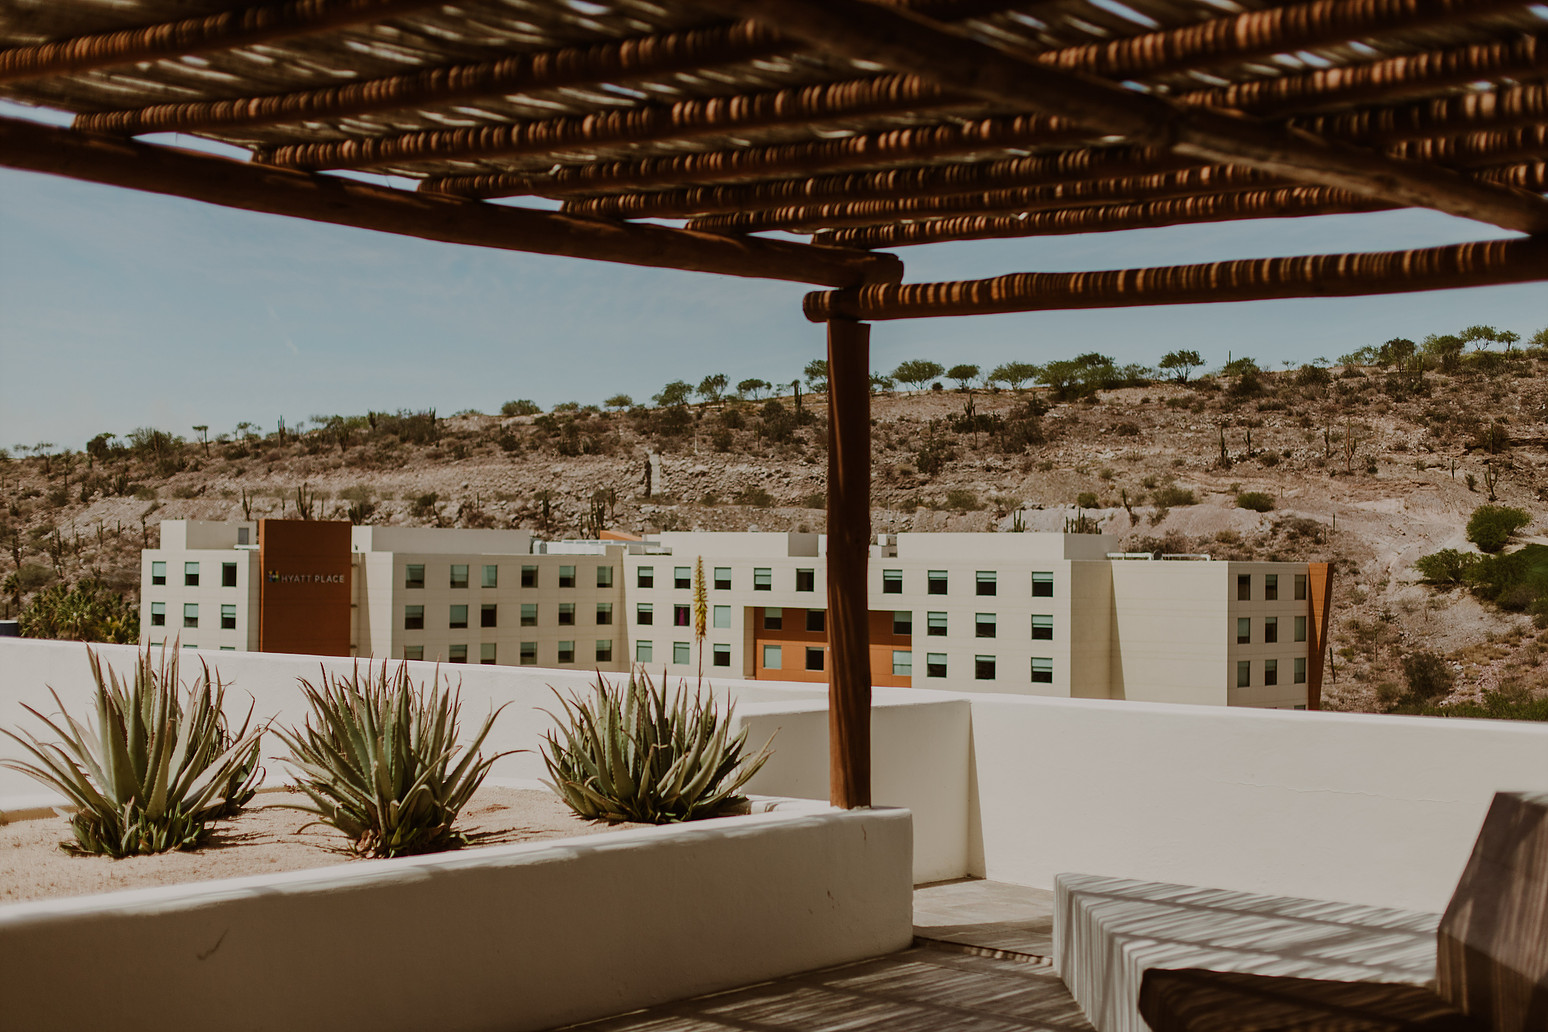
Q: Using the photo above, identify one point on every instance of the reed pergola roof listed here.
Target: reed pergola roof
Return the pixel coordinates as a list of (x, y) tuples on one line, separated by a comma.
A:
[(866, 125)]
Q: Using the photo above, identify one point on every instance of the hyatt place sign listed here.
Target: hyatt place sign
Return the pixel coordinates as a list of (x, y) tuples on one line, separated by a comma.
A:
[(275, 577)]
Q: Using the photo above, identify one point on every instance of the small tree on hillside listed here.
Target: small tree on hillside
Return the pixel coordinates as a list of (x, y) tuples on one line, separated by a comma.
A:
[(619, 402), (816, 373), (964, 374), (1014, 374), (918, 372), (674, 394), (713, 387), (753, 386), (519, 407), (881, 382), (1181, 364)]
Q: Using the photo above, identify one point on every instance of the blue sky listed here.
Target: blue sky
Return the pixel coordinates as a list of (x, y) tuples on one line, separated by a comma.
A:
[(121, 309)]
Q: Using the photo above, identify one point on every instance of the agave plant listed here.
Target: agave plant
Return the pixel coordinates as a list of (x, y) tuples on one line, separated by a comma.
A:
[(382, 764), (629, 753), (156, 767)]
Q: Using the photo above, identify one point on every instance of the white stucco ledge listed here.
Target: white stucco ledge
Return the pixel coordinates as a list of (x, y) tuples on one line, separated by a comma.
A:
[(504, 937)]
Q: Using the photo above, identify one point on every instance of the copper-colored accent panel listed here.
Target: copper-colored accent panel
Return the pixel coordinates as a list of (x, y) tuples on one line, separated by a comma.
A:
[(1319, 603), (305, 593), (793, 633)]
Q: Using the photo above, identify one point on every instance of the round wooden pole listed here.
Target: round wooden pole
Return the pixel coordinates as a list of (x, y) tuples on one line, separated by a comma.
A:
[(849, 549)]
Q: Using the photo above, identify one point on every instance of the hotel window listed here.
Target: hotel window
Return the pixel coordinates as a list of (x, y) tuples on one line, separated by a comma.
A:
[(771, 657), (604, 614), (459, 617), (1042, 585), (903, 623), (1300, 587), (228, 648), (935, 582), (1300, 628), (1042, 670), (722, 578), (567, 576), (413, 652), (1270, 630), (986, 582), (645, 614), (935, 664), (566, 652), (491, 578), (892, 582), (1271, 671), (228, 575), (763, 579), (456, 653), (414, 575), (529, 577), (806, 580), (158, 614), (459, 576), (645, 577), (642, 651), (983, 625), (680, 653), (190, 645), (528, 653), (902, 663), (983, 668), (228, 618), (773, 619), (682, 576), (721, 617), (1042, 628), (604, 576), (567, 614), (158, 573), (1244, 587), (604, 652), (190, 614), (720, 656), (813, 657), (1300, 669), (681, 616), (242, 535), (529, 614), (817, 620), (1244, 630), (935, 625), (191, 575), (1271, 587), (1244, 673), (488, 615), (413, 618), (486, 653)]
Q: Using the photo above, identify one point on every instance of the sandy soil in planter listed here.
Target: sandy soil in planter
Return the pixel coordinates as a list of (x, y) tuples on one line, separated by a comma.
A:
[(262, 840)]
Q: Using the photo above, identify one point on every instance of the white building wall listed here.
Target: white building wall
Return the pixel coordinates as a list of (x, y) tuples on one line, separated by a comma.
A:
[(209, 596)]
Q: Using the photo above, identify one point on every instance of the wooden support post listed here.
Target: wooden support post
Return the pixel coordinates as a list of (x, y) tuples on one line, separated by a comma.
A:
[(849, 548)]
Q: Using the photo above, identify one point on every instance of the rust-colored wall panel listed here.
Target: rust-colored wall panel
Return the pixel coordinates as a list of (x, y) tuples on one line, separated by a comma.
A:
[(795, 639), (305, 594), (1319, 604)]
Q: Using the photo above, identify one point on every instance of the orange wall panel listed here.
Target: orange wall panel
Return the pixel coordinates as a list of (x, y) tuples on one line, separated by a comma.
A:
[(305, 595), (794, 639)]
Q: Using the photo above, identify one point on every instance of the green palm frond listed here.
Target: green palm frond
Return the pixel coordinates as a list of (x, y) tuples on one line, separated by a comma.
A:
[(630, 753)]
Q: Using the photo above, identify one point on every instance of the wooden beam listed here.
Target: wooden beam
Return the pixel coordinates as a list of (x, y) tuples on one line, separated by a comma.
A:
[(1287, 202), (849, 549), (1366, 83), (1488, 263), (862, 31), (234, 184), (240, 27)]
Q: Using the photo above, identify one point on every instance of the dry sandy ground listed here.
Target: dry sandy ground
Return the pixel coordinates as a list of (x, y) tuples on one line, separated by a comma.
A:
[(263, 840)]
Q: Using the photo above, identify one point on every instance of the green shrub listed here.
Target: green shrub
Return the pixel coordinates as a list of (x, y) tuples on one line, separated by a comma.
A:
[(1448, 566), (1428, 676), (156, 767), (1087, 500), (520, 407), (1257, 501), (1167, 497), (382, 764), (962, 500), (1491, 526), (629, 753), (1512, 580), (754, 496)]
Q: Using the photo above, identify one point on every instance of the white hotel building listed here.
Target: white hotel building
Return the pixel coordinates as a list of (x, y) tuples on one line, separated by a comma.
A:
[(1042, 614)]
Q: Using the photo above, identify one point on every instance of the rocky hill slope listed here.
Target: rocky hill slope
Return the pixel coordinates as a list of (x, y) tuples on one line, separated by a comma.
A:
[(1368, 467)]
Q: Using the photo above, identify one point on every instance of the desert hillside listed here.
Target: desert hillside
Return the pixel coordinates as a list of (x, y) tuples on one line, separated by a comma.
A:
[(1370, 466)]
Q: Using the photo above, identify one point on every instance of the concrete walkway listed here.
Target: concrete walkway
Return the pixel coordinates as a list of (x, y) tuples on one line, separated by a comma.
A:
[(980, 963)]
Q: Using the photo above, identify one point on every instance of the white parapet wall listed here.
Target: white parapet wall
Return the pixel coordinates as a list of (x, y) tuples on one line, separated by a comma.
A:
[(501, 938)]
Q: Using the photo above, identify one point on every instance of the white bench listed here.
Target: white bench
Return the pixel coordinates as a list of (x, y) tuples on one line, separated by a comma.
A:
[(1108, 931)]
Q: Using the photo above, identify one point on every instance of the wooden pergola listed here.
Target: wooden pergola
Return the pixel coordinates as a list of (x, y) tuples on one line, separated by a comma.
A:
[(867, 125)]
